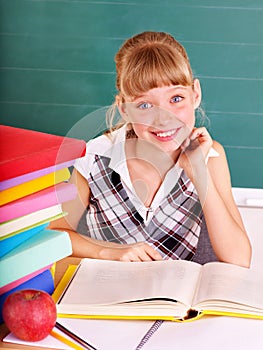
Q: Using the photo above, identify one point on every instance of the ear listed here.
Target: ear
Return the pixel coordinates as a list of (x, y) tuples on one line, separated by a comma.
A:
[(197, 93), (121, 107)]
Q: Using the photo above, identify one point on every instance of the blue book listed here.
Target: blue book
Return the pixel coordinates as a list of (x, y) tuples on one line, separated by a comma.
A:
[(44, 281), (43, 249), (8, 244)]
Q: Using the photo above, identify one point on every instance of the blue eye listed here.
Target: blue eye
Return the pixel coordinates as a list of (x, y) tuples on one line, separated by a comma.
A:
[(176, 99), (145, 105)]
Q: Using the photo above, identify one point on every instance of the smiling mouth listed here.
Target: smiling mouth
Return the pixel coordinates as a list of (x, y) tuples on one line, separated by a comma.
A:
[(165, 134)]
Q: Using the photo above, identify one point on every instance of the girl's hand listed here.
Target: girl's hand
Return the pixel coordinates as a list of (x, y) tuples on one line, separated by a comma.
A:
[(129, 252), (195, 150)]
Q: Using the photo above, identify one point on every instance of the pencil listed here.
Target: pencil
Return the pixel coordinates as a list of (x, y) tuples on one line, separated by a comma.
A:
[(65, 340), (75, 337)]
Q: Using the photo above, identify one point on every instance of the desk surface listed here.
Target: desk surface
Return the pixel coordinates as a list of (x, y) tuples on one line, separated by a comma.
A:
[(60, 270), (223, 332)]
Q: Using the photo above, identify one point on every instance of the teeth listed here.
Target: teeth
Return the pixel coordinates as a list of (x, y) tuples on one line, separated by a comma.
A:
[(165, 134)]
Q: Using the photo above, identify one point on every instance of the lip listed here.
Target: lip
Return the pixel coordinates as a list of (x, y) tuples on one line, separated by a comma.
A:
[(165, 135)]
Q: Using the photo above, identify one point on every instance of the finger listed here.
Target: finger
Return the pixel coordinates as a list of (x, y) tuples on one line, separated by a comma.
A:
[(140, 253), (136, 259), (132, 254), (145, 257), (185, 144), (199, 132), (129, 258), (152, 253), (196, 132)]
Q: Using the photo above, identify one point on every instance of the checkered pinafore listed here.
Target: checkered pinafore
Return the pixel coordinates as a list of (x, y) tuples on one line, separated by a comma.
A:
[(174, 229)]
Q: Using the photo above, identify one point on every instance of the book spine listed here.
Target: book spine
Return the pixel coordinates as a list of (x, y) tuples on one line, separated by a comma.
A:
[(43, 199), (24, 151), (33, 175), (33, 186), (8, 244), (23, 279), (23, 223), (44, 248)]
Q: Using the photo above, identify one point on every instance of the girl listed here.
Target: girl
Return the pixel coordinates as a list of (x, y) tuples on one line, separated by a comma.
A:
[(150, 181)]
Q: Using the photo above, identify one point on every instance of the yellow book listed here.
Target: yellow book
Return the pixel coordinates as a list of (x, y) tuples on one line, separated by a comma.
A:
[(175, 290), (13, 193), (63, 282)]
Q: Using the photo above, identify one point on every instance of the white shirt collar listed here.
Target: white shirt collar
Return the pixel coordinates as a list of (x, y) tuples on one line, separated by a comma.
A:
[(118, 156), (117, 151)]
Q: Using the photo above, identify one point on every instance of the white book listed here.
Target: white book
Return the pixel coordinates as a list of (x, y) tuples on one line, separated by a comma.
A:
[(28, 221), (168, 289)]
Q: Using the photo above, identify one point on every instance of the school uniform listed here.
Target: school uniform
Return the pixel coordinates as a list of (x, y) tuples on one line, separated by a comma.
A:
[(172, 223)]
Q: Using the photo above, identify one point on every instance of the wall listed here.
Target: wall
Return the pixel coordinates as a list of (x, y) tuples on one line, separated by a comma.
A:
[(57, 66)]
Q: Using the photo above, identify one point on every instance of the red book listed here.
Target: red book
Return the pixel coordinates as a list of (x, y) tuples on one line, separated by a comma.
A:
[(23, 151)]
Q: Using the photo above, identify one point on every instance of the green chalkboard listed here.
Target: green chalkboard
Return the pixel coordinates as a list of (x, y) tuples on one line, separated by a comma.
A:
[(58, 74)]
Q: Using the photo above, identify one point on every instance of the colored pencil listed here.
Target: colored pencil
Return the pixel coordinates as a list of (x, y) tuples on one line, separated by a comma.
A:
[(73, 336)]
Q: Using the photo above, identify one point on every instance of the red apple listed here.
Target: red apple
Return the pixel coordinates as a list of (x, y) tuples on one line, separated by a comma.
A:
[(30, 314)]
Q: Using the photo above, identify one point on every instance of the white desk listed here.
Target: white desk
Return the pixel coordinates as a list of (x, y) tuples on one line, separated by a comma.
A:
[(208, 333), (250, 204), (211, 333), (214, 332)]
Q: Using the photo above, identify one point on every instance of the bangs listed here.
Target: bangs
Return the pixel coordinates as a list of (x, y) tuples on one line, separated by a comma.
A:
[(154, 66)]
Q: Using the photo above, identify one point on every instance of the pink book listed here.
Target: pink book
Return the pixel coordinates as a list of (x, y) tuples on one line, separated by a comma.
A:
[(48, 197), (21, 280), (35, 174)]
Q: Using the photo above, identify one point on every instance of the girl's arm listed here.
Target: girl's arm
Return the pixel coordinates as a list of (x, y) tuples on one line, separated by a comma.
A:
[(84, 246), (227, 232), (212, 181)]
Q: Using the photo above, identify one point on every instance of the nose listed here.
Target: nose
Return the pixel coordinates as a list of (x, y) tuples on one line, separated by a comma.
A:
[(162, 117)]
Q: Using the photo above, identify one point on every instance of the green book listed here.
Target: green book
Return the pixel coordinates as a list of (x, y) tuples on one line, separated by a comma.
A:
[(43, 249)]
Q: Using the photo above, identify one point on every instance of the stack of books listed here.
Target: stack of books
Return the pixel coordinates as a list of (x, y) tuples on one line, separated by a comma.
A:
[(34, 169)]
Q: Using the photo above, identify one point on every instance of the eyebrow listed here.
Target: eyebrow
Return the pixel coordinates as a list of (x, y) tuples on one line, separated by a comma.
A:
[(172, 88), (178, 87)]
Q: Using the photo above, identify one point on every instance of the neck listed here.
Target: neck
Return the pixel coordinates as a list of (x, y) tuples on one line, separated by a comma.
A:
[(151, 154)]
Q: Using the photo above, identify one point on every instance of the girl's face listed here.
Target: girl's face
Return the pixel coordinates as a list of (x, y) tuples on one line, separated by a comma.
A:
[(164, 116)]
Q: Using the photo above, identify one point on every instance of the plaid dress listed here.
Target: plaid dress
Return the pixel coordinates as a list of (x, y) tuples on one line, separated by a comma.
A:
[(175, 226)]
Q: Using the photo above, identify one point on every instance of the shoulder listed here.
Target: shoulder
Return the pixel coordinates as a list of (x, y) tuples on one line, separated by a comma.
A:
[(216, 153), (220, 159), (218, 147), (218, 166), (103, 143), (97, 146)]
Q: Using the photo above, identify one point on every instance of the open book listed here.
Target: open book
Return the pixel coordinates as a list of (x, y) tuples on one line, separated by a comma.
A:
[(168, 290)]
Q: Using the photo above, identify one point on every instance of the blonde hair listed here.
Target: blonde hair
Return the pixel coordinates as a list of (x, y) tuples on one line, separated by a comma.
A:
[(149, 60)]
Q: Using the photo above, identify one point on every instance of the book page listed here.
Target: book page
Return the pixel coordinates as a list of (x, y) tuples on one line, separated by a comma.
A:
[(117, 334), (108, 282), (227, 282), (208, 333)]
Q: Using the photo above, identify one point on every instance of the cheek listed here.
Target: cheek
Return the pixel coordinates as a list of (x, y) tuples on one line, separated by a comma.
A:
[(139, 117), (186, 116), (139, 128)]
